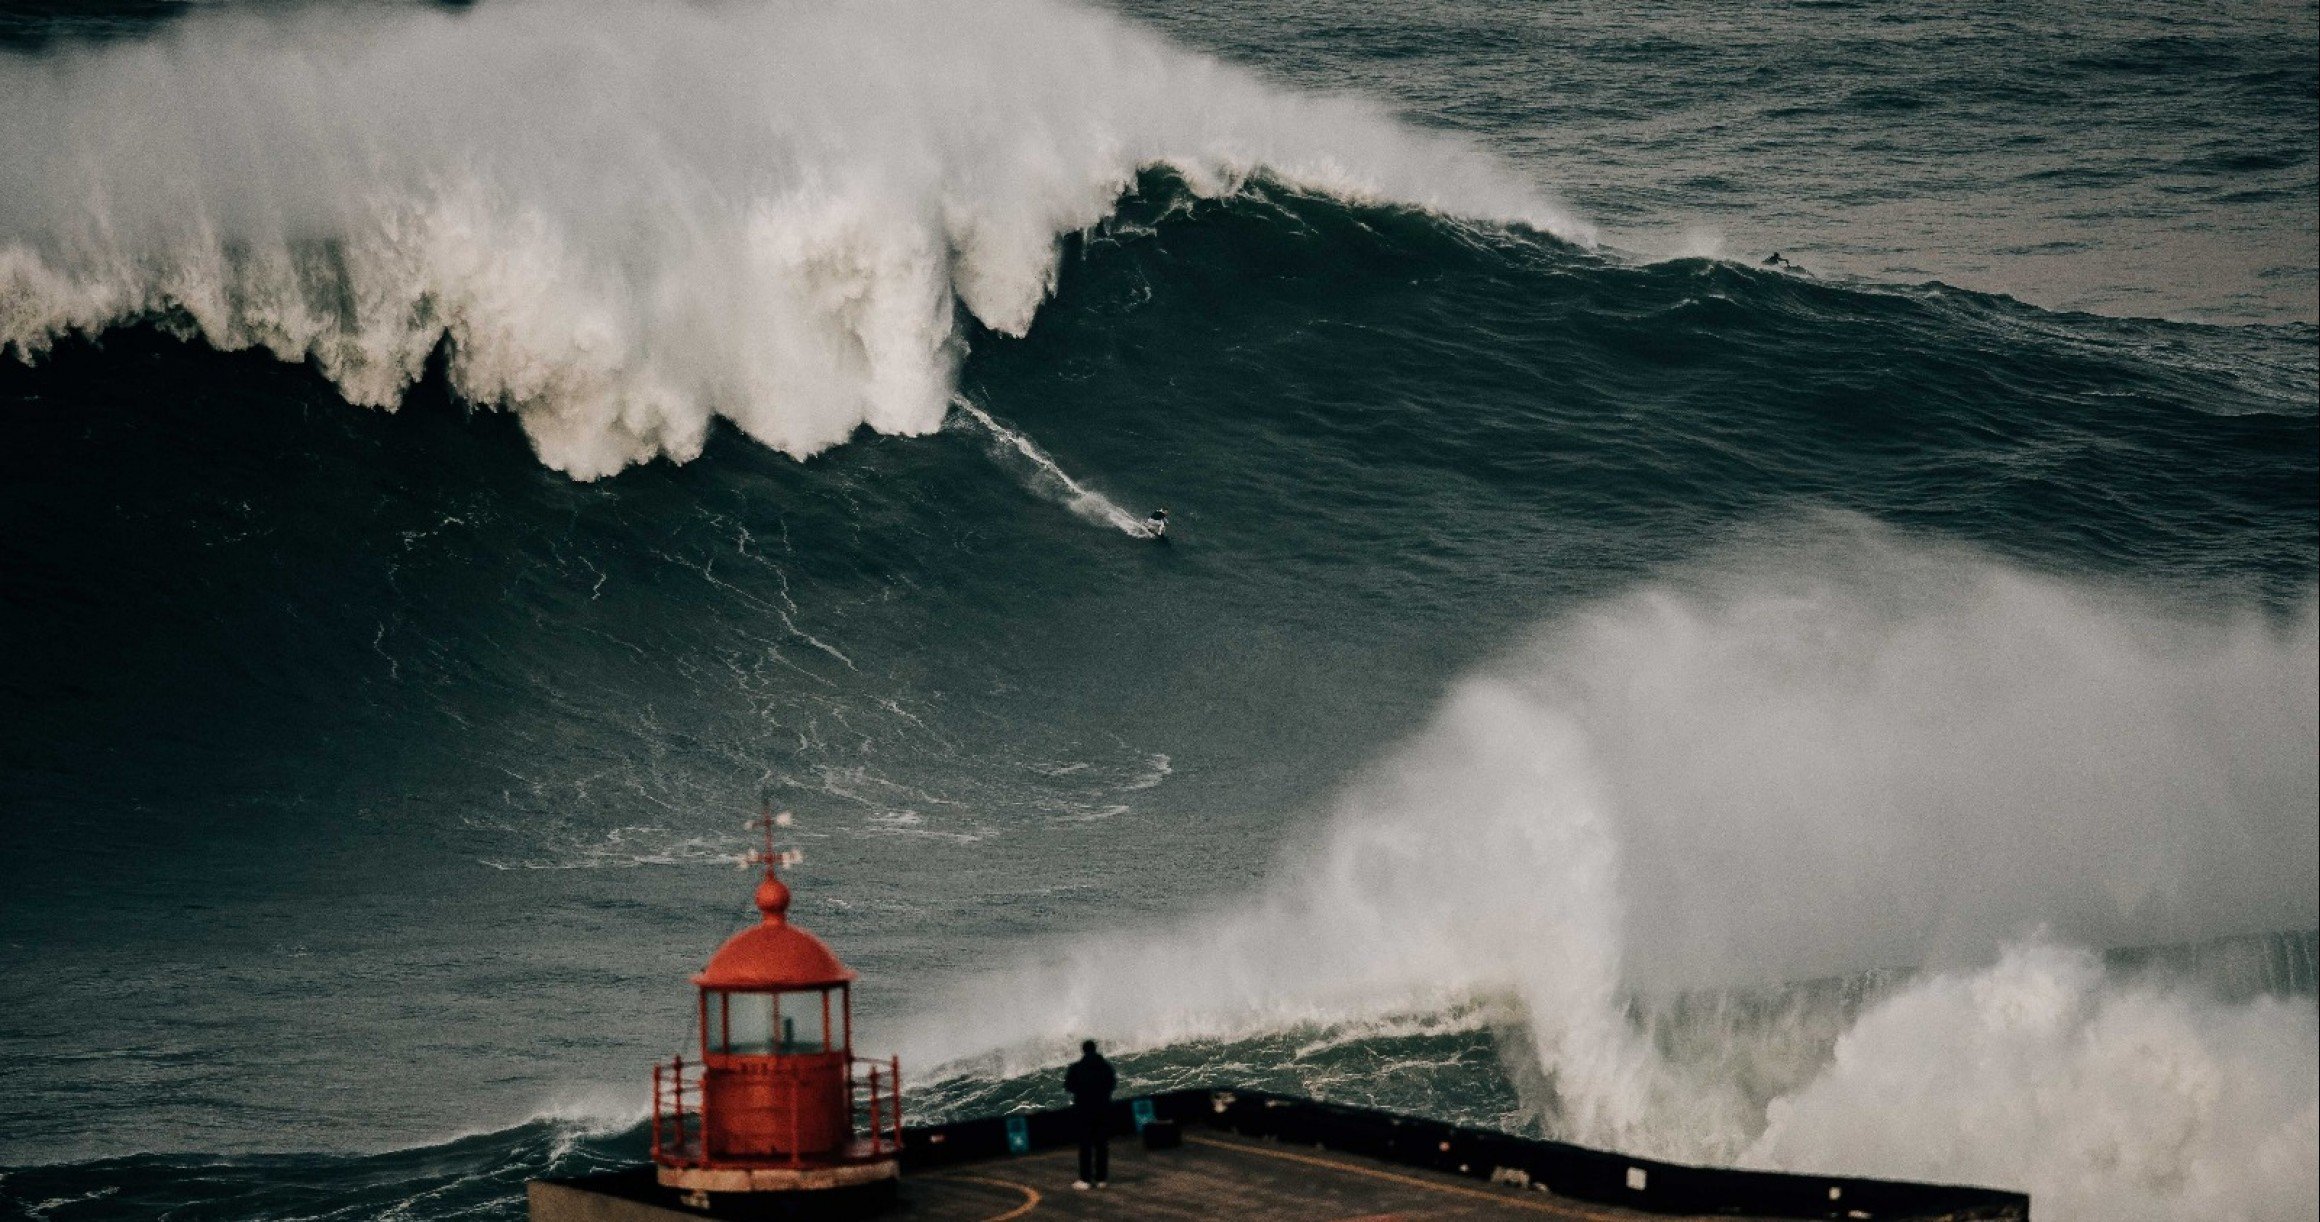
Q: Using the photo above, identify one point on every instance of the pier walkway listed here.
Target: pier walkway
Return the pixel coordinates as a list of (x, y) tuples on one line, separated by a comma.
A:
[(1270, 1158)]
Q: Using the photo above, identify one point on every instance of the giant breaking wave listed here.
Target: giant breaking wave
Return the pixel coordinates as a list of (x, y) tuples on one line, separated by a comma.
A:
[(1634, 845), (629, 219)]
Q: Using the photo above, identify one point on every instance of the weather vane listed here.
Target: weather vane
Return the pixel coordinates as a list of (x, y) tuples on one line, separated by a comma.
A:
[(770, 857)]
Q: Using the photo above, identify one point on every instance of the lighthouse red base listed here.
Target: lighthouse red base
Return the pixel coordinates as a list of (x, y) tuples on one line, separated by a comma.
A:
[(764, 1125), (777, 1102), (783, 1178)]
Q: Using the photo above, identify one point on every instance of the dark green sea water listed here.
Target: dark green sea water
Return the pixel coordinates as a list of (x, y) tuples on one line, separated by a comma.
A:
[(1856, 716)]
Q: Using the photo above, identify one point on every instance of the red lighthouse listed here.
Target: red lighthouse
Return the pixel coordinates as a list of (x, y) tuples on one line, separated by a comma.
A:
[(774, 1103)]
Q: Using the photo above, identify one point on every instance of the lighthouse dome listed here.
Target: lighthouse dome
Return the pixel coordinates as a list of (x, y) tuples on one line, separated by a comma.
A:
[(773, 954)]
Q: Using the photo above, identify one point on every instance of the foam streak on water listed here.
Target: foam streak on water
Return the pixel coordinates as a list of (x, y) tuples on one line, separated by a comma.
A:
[(1043, 476)]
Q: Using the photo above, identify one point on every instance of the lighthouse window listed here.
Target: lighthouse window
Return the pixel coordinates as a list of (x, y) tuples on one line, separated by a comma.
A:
[(741, 1023), (799, 1019), (759, 1024)]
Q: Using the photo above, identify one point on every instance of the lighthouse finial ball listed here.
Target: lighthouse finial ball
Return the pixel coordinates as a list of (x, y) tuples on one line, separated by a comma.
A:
[(773, 899)]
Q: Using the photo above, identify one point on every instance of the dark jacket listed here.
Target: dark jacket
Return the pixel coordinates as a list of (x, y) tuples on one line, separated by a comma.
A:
[(1090, 1081)]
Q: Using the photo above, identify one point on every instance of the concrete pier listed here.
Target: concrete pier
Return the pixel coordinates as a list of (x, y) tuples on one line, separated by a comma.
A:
[(1248, 1155)]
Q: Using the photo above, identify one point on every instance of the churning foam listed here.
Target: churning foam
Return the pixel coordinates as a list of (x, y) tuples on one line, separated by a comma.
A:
[(633, 217), (1832, 752), (2103, 1100)]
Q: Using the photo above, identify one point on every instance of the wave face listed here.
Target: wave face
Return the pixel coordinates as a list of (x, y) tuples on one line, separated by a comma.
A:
[(1738, 715), (627, 221), (482, 1175)]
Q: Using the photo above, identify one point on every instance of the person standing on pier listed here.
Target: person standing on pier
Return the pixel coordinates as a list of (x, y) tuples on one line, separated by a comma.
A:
[(1090, 1081)]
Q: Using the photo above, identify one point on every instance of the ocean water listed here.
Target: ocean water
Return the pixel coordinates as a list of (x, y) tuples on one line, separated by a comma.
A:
[(1857, 716)]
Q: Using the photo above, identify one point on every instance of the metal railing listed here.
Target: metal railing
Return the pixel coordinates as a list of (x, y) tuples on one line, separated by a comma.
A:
[(679, 1133), (881, 1120)]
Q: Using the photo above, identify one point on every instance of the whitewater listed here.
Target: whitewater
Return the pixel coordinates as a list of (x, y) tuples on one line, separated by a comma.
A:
[(1855, 718), (1816, 755), (624, 222)]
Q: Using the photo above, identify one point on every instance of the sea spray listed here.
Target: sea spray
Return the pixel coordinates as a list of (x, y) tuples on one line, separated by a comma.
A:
[(1829, 751), (2103, 1099), (630, 220)]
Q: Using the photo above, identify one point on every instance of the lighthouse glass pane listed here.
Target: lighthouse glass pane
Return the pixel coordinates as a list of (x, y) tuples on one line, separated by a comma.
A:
[(800, 1022), (742, 1023)]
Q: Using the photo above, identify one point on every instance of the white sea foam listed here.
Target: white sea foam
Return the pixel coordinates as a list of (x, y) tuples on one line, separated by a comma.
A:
[(1831, 752), (633, 217), (1044, 476), (574, 1112), (2103, 1100), (595, 1111)]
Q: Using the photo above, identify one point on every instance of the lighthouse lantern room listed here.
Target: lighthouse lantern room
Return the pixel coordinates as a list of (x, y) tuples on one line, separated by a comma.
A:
[(776, 1100)]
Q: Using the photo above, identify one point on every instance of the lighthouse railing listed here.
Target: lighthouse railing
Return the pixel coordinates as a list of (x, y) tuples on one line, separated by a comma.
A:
[(679, 1131), (880, 1114)]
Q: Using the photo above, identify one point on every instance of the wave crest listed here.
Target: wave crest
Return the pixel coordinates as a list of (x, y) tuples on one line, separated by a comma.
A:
[(631, 219)]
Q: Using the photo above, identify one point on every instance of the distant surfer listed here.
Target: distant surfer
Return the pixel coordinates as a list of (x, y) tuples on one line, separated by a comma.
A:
[(1774, 260), (1090, 1081), (1156, 526)]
